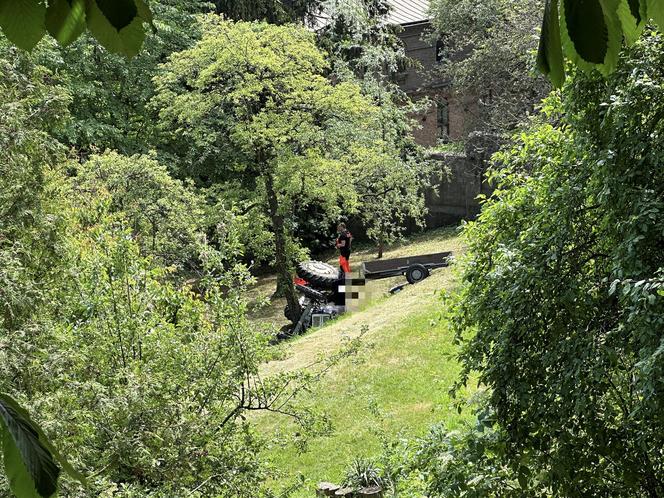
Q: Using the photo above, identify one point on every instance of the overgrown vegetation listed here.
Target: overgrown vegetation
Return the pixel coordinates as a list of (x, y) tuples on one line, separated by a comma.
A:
[(560, 310), (137, 197), (488, 51)]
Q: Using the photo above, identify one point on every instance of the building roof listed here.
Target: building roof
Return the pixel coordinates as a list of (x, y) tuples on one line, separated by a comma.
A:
[(402, 12), (408, 11)]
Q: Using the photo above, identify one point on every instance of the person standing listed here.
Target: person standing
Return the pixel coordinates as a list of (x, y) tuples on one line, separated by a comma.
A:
[(344, 244)]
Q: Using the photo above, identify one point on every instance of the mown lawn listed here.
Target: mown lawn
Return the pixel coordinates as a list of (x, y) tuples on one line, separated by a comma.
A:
[(398, 385)]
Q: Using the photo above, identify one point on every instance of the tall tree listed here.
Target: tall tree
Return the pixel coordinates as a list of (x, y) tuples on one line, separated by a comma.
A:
[(365, 48), (109, 92), (488, 53), (30, 110), (254, 107)]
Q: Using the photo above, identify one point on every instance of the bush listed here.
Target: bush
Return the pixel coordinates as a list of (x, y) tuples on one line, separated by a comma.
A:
[(562, 306)]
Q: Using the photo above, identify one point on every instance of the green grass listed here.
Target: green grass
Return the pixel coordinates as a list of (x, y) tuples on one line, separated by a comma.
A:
[(398, 386)]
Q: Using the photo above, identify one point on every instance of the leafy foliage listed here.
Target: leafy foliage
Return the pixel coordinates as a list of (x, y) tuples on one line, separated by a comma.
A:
[(257, 113), (561, 310), (363, 473), (30, 109), (467, 462), (166, 217), (117, 25), (272, 11), (110, 94), (30, 459), (590, 33), (365, 49), (144, 381), (487, 51)]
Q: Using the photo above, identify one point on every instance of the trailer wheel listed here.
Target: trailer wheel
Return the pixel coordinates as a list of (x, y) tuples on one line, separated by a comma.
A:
[(416, 273), (318, 274)]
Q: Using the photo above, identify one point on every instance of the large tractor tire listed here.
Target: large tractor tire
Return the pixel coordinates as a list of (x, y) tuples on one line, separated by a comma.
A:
[(312, 294), (318, 274)]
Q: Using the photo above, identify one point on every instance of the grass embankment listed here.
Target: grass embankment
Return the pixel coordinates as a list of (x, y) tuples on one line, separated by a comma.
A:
[(397, 386)]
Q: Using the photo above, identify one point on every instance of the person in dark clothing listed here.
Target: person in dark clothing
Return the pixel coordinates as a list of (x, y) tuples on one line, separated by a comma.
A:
[(344, 244)]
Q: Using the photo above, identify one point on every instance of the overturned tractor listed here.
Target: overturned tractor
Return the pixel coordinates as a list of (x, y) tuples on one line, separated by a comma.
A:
[(324, 289)]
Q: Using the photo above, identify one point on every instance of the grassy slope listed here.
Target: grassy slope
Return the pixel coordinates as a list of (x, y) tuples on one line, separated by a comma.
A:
[(398, 385)]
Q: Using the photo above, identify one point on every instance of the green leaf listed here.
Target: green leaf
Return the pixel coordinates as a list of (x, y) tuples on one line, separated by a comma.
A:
[(144, 11), (23, 21), (65, 20), (608, 29), (550, 54), (10, 404), (127, 41), (631, 21), (656, 12), (610, 8), (21, 482), (635, 9), (119, 13), (587, 29), (30, 467)]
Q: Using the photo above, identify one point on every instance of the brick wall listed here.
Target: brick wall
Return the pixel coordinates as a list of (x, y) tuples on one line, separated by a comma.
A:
[(418, 83), (455, 197), (427, 132)]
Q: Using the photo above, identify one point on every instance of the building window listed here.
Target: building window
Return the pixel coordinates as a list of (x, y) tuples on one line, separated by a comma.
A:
[(439, 50), (443, 114)]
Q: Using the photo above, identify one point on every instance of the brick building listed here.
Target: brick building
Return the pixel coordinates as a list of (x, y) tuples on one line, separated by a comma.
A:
[(445, 118)]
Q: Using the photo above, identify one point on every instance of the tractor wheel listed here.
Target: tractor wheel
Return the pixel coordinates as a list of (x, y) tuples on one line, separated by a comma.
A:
[(312, 294), (318, 274), (416, 273)]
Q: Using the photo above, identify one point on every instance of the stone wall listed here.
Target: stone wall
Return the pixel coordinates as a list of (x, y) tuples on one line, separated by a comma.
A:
[(455, 199)]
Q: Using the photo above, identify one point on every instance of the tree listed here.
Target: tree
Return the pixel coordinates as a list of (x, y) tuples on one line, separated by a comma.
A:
[(488, 53), (110, 94), (166, 216), (365, 49), (591, 33), (30, 214), (562, 302), (272, 11), (118, 26), (254, 107), (146, 384)]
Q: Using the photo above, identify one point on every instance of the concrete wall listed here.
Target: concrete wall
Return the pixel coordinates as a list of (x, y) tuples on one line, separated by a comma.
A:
[(455, 199)]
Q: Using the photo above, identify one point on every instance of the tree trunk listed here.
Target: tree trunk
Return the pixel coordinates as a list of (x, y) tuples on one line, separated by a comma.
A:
[(381, 240), (284, 278)]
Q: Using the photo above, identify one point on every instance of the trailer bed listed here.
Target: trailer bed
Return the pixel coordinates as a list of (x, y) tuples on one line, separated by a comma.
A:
[(385, 268)]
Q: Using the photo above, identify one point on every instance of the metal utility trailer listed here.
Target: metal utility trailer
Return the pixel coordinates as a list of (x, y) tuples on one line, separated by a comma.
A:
[(415, 268)]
